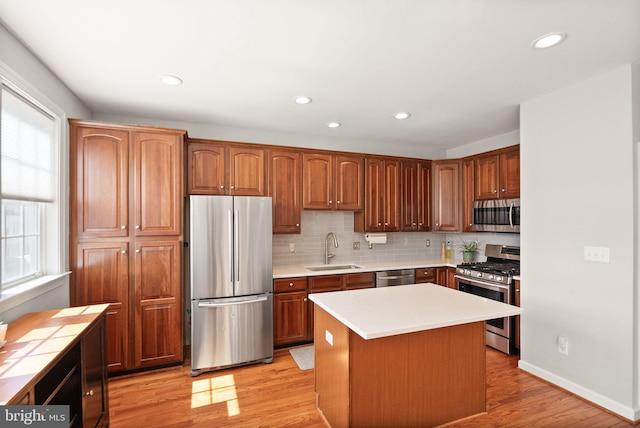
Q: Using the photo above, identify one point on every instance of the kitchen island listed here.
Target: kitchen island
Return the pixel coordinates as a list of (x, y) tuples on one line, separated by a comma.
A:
[(401, 356)]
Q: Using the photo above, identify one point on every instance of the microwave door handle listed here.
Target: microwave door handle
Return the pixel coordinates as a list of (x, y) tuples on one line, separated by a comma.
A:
[(511, 215)]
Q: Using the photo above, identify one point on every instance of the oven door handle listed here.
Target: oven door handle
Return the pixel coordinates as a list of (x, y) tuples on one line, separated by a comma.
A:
[(489, 285)]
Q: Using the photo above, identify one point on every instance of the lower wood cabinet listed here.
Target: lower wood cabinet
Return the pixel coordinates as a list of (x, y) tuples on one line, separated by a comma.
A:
[(444, 276), (293, 312), (290, 311)]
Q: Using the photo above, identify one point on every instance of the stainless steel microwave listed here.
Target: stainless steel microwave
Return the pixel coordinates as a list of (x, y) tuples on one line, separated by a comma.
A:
[(496, 215)]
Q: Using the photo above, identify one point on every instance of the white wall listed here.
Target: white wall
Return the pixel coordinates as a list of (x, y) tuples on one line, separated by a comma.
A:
[(496, 142), (577, 185)]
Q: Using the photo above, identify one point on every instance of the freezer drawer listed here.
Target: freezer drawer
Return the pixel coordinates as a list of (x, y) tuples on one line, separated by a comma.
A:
[(231, 331)]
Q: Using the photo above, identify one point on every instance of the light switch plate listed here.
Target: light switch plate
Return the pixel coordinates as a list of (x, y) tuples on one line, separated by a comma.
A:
[(596, 254)]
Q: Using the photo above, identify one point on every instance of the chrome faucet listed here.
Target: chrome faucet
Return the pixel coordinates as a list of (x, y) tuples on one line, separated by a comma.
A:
[(327, 256)]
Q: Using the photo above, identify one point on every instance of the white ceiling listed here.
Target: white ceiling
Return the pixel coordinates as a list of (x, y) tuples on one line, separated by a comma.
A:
[(460, 67)]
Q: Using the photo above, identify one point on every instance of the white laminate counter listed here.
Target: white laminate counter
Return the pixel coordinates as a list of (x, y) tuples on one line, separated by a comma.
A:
[(380, 312), (293, 271)]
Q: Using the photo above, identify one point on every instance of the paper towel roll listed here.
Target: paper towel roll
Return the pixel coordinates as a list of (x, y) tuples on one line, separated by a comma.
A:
[(376, 238)]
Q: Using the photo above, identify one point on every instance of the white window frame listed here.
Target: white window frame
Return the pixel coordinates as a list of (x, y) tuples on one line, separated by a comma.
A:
[(55, 244)]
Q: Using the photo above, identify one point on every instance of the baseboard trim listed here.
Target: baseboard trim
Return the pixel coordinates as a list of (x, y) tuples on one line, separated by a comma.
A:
[(629, 413)]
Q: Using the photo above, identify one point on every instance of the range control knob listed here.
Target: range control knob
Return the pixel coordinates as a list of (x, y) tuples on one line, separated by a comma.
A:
[(479, 274), (490, 277), (498, 278)]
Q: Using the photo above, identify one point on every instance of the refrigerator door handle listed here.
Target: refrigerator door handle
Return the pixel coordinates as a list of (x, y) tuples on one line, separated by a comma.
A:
[(230, 244), (242, 302), (236, 250)]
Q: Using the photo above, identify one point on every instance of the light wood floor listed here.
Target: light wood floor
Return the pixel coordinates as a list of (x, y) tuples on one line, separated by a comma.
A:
[(280, 394)]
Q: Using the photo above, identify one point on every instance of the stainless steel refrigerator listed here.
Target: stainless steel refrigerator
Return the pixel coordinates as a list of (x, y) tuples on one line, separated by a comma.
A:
[(231, 281)]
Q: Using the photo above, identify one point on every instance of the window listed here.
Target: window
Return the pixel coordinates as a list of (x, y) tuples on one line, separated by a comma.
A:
[(28, 182)]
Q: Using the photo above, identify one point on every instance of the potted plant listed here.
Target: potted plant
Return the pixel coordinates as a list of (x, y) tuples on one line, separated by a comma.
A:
[(468, 250)]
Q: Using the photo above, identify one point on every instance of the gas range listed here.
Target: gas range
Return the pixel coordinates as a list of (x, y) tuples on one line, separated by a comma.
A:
[(503, 263)]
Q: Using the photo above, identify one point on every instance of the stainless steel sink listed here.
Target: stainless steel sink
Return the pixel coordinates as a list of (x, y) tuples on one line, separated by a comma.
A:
[(320, 268)]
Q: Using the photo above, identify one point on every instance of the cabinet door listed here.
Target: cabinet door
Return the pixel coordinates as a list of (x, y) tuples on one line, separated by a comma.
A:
[(246, 171), (447, 199), (100, 181), (424, 196), (468, 194), (349, 183), (372, 218), (102, 276), (392, 196), (317, 184), (510, 174), (285, 190), (158, 183), (486, 177), (409, 209), (359, 280), (95, 407), (441, 276), (290, 318), (451, 277), (158, 303), (206, 169)]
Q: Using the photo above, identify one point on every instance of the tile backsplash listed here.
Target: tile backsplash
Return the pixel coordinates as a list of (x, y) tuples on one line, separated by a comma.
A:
[(308, 247)]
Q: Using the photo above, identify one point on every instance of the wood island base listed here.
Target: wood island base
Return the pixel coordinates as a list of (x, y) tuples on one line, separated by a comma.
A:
[(425, 378)]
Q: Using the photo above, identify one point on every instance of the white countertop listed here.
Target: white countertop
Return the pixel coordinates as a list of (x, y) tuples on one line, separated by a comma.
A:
[(380, 312), (293, 271)]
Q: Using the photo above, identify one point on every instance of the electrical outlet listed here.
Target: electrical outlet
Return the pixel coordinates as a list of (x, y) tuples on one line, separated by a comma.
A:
[(292, 247), (596, 254), (328, 337), (563, 345), (428, 244), (356, 245)]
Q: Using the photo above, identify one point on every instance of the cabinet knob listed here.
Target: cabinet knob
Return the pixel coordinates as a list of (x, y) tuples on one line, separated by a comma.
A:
[(297, 224), (233, 187), (137, 251), (137, 226), (414, 225), (123, 227), (495, 191), (437, 224), (330, 202), (222, 186), (291, 284), (504, 190), (305, 299), (123, 252), (88, 393), (338, 202)]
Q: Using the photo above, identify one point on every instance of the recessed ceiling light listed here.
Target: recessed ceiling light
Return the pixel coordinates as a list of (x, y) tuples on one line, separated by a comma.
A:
[(302, 100), (402, 115), (548, 40), (334, 124), (168, 79)]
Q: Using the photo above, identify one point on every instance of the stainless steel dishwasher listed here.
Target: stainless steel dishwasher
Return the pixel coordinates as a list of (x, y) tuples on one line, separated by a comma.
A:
[(388, 278)]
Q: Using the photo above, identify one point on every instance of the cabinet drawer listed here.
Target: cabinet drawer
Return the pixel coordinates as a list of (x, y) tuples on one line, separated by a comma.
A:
[(333, 282), (360, 280), (289, 284), (425, 275)]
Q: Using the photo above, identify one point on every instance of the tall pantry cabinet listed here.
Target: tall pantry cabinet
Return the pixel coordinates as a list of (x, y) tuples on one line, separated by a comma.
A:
[(126, 203)]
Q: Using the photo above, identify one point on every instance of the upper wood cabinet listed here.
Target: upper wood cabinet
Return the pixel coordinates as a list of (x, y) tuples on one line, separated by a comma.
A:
[(100, 181), (285, 189), (416, 196), (468, 194), (447, 196), (382, 197), (157, 176), (497, 175), (332, 182), (216, 168)]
